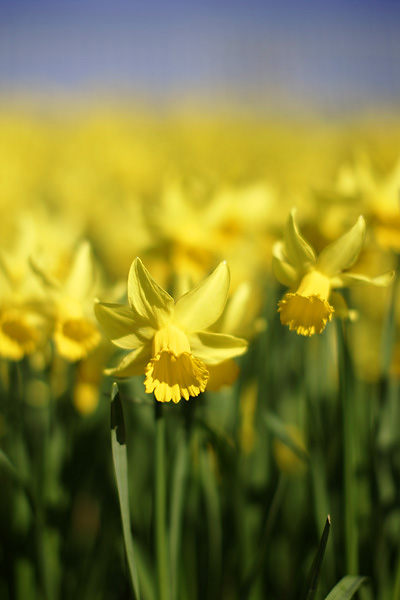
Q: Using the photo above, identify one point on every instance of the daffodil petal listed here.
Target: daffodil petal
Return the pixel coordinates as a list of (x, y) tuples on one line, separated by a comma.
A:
[(202, 306), (147, 298), (298, 251), (232, 317), (213, 348), (342, 253), (354, 279), (284, 272), (81, 277), (224, 373), (122, 326), (133, 363)]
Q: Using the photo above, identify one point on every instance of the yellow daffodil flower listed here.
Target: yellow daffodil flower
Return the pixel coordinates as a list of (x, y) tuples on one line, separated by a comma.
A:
[(75, 328), (169, 339), (310, 303), (23, 327)]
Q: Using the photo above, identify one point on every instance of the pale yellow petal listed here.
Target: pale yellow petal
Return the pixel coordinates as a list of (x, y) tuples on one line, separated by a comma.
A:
[(236, 310), (124, 328), (202, 306), (81, 277), (284, 272), (298, 251), (133, 363), (147, 298), (354, 279), (213, 348), (222, 374), (342, 253)]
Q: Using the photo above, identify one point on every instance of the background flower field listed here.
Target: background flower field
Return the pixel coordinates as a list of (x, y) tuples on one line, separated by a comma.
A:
[(303, 428)]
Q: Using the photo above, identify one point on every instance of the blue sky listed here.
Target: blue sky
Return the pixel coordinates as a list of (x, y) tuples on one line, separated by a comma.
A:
[(333, 55)]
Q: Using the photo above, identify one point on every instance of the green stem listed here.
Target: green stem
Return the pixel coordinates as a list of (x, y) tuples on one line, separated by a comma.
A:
[(265, 541), (396, 591), (389, 328), (349, 462), (162, 558)]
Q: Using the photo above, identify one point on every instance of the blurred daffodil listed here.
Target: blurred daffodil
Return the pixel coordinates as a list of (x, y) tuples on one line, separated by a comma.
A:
[(23, 327), (290, 451), (311, 303), (169, 339), (75, 328)]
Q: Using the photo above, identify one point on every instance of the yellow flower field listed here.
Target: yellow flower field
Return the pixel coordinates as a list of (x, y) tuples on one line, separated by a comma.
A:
[(164, 266)]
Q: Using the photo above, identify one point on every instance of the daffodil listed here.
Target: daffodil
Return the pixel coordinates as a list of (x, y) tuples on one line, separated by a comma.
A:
[(75, 329), (170, 341), (23, 327), (311, 303)]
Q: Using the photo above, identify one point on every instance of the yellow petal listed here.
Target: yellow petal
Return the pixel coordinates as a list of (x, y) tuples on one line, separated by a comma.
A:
[(342, 253), (81, 277), (213, 348), (202, 306), (17, 336), (354, 279), (284, 272), (298, 251), (173, 377), (224, 373), (75, 338), (124, 328), (147, 298), (85, 397), (171, 339), (133, 363), (237, 310)]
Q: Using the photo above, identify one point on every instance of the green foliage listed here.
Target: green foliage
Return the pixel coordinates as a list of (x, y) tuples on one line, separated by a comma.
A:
[(346, 588)]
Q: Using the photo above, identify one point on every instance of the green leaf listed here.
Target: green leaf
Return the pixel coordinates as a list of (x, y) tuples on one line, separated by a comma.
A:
[(346, 588), (317, 563), (179, 485), (12, 472), (118, 445)]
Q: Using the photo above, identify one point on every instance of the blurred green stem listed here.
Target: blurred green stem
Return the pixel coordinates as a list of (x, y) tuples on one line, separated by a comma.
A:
[(160, 507), (389, 327), (259, 562), (179, 490), (349, 430), (396, 591)]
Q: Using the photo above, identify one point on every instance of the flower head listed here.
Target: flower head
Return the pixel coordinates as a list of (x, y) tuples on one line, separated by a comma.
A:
[(75, 329), (311, 303), (170, 341)]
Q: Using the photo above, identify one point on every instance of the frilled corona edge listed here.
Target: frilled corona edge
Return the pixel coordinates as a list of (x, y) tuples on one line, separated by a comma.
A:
[(305, 314)]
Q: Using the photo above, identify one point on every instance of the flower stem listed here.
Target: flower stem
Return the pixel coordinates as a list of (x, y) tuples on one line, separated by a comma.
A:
[(162, 558), (349, 459)]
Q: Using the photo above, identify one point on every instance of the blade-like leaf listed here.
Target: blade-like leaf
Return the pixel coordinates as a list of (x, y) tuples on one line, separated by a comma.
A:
[(118, 446), (317, 563), (8, 467), (346, 588)]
